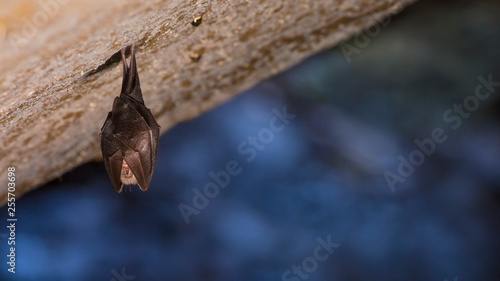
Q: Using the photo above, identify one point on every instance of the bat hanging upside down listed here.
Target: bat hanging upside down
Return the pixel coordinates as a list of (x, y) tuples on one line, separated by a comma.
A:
[(130, 134)]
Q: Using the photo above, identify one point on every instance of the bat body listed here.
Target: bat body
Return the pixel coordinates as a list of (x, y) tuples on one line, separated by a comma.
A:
[(130, 134)]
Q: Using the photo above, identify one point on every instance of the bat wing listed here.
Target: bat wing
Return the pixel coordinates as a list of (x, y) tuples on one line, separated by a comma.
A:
[(106, 123), (111, 153), (152, 124), (132, 96), (135, 139), (114, 167), (137, 153)]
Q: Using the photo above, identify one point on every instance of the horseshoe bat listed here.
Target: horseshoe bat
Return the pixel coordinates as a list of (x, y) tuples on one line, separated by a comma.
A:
[(130, 134)]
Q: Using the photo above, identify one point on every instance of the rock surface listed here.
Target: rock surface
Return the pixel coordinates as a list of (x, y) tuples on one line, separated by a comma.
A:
[(59, 58)]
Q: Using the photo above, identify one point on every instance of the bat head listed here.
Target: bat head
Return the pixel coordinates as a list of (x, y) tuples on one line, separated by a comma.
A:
[(126, 174)]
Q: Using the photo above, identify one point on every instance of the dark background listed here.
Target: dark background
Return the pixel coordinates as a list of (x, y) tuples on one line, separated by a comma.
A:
[(322, 176)]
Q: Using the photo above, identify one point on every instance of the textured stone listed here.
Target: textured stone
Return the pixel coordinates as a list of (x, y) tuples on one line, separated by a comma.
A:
[(60, 70)]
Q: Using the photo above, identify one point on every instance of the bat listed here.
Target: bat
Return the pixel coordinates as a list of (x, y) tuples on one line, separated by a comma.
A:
[(130, 134)]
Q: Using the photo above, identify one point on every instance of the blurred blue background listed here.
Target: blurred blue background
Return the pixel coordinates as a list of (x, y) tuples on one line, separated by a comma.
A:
[(319, 179)]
